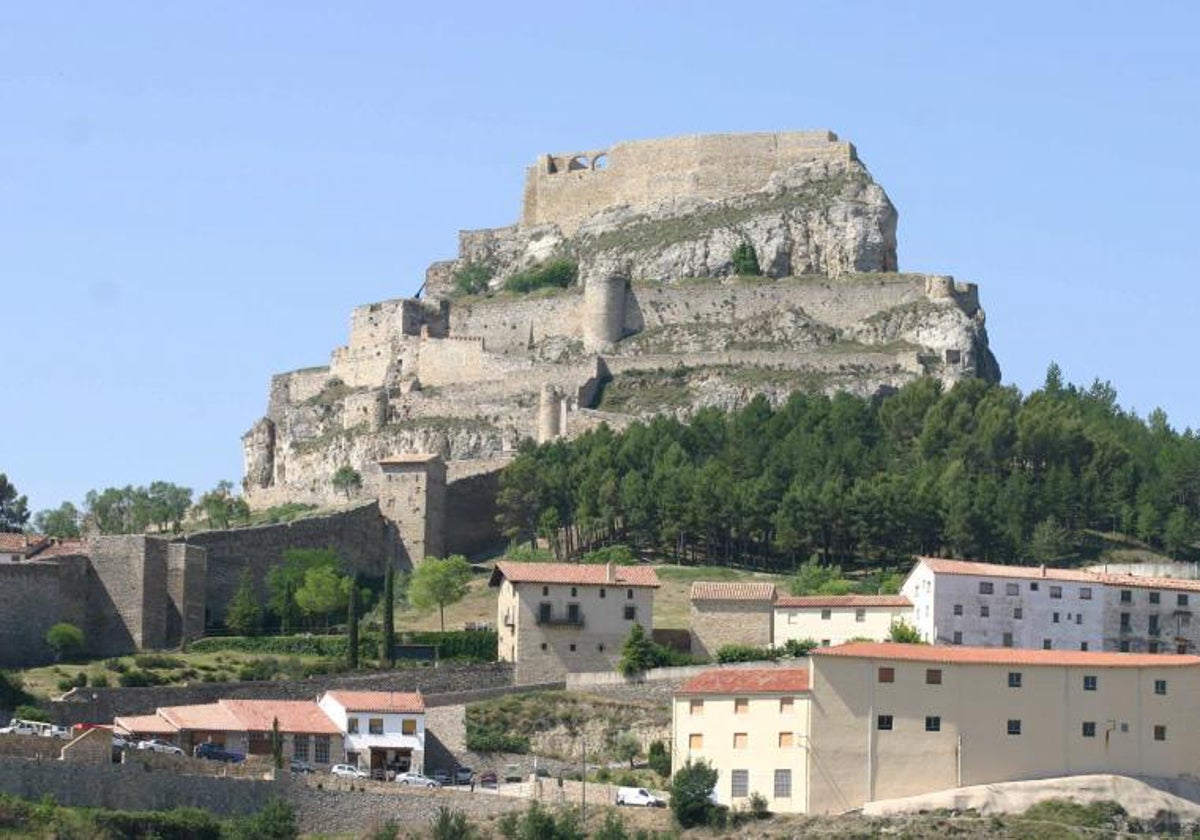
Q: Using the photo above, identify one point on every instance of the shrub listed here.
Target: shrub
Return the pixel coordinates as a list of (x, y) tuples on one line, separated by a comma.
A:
[(746, 653), (12, 691), (99, 681), (116, 665), (560, 273), (176, 824), (331, 646), (902, 631), (745, 260), (758, 805), (27, 711), (450, 825), (135, 678), (472, 278), (658, 759), (158, 660), (65, 639), (618, 555), (459, 645), (276, 821), (77, 681), (481, 738), (690, 790), (797, 648)]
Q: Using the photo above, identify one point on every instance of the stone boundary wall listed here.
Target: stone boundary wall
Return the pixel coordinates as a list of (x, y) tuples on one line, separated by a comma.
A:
[(34, 596), (31, 746), (471, 514), (611, 678), (1182, 571), (506, 323), (363, 809), (101, 705)]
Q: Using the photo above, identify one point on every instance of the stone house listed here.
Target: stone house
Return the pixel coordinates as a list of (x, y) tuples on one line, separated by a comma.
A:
[(556, 618), (730, 613), (867, 721), (384, 731), (834, 619)]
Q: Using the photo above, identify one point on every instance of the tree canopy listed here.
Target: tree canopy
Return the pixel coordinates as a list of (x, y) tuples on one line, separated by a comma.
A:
[(14, 508), (439, 583)]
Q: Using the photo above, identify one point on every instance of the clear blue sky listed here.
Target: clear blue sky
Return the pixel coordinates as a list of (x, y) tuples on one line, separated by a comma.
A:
[(193, 196)]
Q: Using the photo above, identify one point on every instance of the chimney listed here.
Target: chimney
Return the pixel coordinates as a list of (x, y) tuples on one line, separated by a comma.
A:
[(1043, 569), (608, 575)]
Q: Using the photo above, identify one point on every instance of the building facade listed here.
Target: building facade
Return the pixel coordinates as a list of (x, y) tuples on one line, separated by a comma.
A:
[(384, 731), (835, 619), (557, 618), (727, 613)]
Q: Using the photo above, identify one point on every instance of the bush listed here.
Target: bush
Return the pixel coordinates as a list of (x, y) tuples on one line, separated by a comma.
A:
[(618, 555), (12, 691), (158, 660), (484, 739), (690, 790), (135, 678), (758, 805), (27, 711), (745, 260), (560, 273), (77, 681), (333, 647), (473, 278), (746, 653), (99, 681), (904, 632), (798, 648), (176, 824), (115, 665), (276, 821), (66, 640), (459, 645), (658, 759)]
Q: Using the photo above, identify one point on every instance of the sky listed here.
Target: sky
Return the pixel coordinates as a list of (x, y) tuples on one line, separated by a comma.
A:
[(193, 196)]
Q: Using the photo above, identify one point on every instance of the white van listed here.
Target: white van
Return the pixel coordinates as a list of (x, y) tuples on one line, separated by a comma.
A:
[(638, 796)]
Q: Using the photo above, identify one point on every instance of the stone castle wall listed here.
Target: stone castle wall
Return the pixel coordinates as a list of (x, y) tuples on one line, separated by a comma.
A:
[(506, 323), (34, 596), (565, 189)]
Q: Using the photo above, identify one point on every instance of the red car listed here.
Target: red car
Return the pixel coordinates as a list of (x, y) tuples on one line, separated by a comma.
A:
[(488, 779)]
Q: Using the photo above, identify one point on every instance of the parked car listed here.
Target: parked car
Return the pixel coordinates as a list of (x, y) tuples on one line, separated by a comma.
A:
[(120, 742), (22, 727), (155, 745), (213, 752), (512, 773), (300, 766), (638, 796), (488, 778), (442, 777), (463, 775), (347, 771), (413, 779), (53, 731)]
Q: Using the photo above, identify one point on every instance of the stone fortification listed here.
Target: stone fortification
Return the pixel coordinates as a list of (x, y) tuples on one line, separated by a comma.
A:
[(656, 322)]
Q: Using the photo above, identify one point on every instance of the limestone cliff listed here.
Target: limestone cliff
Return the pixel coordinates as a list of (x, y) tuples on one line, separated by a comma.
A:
[(656, 322)]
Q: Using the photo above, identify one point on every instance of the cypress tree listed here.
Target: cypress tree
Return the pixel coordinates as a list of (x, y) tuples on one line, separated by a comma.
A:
[(386, 649), (352, 641)]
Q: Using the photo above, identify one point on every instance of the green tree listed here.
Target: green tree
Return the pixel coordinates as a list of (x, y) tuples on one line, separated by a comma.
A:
[(745, 260), (1049, 542), (276, 744), (690, 789), (387, 641), (14, 508), (276, 821), (62, 521), (537, 823), (244, 616), (347, 479), (659, 759), (613, 828), (352, 618), (1179, 533), (285, 579), (324, 592), (66, 640), (472, 278), (626, 747), (903, 632), (220, 507), (637, 653), (168, 504), (451, 825), (438, 583)]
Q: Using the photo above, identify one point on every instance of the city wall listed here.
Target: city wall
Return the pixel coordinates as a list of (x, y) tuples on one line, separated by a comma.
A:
[(34, 596), (506, 324), (471, 514)]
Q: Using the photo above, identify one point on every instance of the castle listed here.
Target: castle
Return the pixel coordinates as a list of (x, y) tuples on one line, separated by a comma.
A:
[(433, 394)]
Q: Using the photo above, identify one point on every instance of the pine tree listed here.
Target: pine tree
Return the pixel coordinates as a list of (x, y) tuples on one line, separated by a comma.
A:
[(244, 616)]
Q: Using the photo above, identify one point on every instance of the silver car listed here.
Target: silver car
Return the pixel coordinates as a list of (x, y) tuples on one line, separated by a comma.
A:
[(413, 779)]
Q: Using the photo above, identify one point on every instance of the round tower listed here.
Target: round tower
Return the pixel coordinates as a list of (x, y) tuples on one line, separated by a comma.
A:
[(549, 414), (603, 311)]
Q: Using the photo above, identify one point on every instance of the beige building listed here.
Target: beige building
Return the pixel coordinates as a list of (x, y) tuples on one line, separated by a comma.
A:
[(835, 619), (730, 613), (555, 618), (888, 720)]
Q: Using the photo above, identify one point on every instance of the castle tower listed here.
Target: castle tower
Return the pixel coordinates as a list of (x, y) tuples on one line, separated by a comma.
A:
[(412, 494), (603, 311), (549, 414)]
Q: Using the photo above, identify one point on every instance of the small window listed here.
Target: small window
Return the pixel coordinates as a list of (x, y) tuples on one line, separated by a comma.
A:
[(985, 611), (887, 675), (574, 592), (1160, 732), (783, 784), (739, 740), (1085, 593), (696, 741), (1014, 727), (1181, 647), (1033, 587), (860, 615), (1014, 679), (1160, 686), (958, 637), (1047, 644), (1152, 647), (696, 707), (1155, 597), (1180, 600), (545, 646), (985, 587), (1006, 640), (1054, 618), (885, 723), (375, 726), (826, 615), (1083, 646), (408, 726), (600, 647), (572, 647), (1079, 618), (630, 612), (1012, 589), (933, 676), (786, 704), (958, 609), (601, 591), (1089, 729), (786, 739), (933, 723), (629, 594), (1055, 591), (352, 725), (1123, 646), (1018, 613), (1089, 682), (544, 612), (1126, 596), (739, 783), (545, 591), (741, 706), (825, 642)]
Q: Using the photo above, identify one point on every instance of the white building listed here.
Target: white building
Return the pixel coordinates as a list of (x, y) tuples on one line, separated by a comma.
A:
[(384, 730), (834, 619)]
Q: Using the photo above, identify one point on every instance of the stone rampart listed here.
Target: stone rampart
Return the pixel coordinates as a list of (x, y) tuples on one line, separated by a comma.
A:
[(446, 361), (293, 387), (506, 323), (34, 596), (471, 503), (565, 189)]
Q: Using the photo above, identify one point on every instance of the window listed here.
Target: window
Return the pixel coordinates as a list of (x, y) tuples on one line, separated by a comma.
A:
[(884, 723), (1160, 686), (933, 723), (1014, 679), (1089, 682), (1006, 640), (786, 740), (1181, 647), (375, 726), (574, 592), (1083, 645), (545, 591), (1018, 613), (958, 637), (601, 591), (300, 747), (544, 612), (739, 783), (1126, 596), (739, 740), (1123, 647), (545, 646), (1085, 593), (1033, 587), (1047, 644), (1180, 600), (1153, 626), (1089, 729), (629, 594), (573, 613), (887, 675), (1054, 618), (1012, 589), (1014, 727), (1154, 597), (696, 707), (630, 612), (741, 706), (786, 704), (408, 726), (933, 676), (1125, 624), (783, 784), (860, 615), (826, 615), (1056, 592), (1160, 732), (696, 741), (600, 647), (352, 725), (985, 587), (825, 642), (985, 611), (1079, 618), (572, 646), (321, 749), (958, 609), (1153, 647)]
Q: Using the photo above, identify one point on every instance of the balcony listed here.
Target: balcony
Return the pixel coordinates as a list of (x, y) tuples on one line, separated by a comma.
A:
[(510, 619), (568, 619)]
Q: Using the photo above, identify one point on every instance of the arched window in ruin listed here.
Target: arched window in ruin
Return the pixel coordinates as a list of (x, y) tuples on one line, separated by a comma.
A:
[(600, 161), (579, 162)]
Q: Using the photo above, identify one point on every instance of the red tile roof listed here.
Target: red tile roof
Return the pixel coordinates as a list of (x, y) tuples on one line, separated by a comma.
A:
[(842, 601), (21, 543), (707, 590), (204, 716), (957, 654), (144, 725), (60, 548), (969, 567), (747, 681), (293, 716), (1139, 582), (388, 702), (583, 574)]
